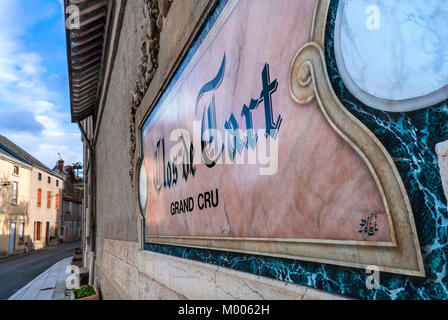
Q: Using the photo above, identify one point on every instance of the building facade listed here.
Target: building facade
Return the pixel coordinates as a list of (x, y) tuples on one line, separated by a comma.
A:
[(339, 192), (15, 197), (45, 204), (44, 200)]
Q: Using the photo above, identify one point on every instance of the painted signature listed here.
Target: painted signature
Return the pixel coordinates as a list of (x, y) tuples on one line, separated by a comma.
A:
[(368, 225)]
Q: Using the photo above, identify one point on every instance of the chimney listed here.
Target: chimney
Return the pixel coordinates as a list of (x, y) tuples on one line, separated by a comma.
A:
[(60, 166)]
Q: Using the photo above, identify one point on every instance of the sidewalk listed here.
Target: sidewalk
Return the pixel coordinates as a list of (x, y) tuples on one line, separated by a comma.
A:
[(49, 285)]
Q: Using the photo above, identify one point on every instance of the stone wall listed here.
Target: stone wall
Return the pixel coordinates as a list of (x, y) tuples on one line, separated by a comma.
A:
[(122, 269), (129, 273), (116, 218)]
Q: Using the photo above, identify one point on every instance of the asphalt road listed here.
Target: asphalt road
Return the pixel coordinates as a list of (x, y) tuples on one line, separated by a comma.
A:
[(16, 272)]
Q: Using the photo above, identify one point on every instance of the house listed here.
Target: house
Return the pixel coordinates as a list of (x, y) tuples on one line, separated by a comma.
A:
[(15, 175), (71, 217), (44, 207)]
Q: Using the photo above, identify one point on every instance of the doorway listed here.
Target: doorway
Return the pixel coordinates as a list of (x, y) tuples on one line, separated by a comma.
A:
[(47, 233), (56, 230), (12, 237)]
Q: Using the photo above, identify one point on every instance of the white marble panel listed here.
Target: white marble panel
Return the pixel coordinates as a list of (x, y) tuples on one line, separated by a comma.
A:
[(393, 55)]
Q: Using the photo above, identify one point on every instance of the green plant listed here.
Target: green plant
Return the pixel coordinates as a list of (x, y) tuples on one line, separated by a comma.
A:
[(85, 292)]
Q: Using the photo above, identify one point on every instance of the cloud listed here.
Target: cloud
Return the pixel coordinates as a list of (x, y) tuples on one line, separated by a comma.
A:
[(34, 103), (46, 147), (23, 121)]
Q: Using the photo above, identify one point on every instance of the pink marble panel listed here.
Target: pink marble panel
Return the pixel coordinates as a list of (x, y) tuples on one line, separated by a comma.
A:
[(322, 188)]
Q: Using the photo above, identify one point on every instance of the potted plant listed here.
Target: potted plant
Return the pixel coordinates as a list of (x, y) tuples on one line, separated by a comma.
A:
[(87, 293)]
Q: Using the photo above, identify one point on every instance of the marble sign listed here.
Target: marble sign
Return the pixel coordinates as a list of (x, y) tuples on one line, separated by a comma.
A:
[(233, 162)]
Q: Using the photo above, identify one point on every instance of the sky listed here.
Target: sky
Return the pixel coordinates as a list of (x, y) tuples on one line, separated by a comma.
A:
[(34, 89)]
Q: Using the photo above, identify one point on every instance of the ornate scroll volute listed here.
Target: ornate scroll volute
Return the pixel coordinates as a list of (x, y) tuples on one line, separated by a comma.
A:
[(300, 79)]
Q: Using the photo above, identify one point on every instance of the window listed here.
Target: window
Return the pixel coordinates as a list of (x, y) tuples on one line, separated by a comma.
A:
[(15, 188), (39, 197), (16, 170), (39, 176), (57, 201), (49, 179), (22, 232), (37, 230), (48, 199), (57, 183), (70, 207)]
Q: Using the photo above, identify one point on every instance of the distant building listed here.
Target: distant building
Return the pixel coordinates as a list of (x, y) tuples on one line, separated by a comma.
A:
[(14, 202), (45, 200), (71, 215), (71, 219)]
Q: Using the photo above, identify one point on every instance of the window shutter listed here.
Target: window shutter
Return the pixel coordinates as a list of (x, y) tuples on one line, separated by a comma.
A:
[(48, 199), (39, 197), (57, 201)]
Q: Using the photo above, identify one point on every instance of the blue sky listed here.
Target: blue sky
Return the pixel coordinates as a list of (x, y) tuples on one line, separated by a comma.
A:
[(34, 92)]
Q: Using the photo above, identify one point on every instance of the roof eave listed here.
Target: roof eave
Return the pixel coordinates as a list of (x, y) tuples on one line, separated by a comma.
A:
[(81, 42)]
